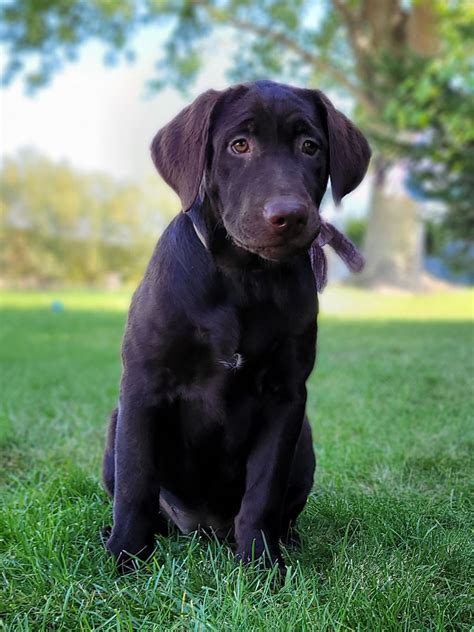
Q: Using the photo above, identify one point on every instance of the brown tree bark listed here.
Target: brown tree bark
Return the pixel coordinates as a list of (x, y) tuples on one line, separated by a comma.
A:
[(394, 240), (393, 245)]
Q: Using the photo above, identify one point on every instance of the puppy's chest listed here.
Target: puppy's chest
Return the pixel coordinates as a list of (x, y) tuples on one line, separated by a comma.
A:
[(265, 323), (262, 327), (265, 342), (269, 310)]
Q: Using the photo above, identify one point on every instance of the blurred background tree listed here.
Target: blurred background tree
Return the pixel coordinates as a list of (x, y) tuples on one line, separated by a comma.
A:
[(63, 226), (405, 68)]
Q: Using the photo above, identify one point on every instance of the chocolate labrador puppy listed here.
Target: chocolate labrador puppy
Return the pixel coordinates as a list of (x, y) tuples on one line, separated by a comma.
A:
[(210, 431)]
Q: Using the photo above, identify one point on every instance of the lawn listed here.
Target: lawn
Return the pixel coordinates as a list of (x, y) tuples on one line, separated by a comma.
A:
[(387, 533)]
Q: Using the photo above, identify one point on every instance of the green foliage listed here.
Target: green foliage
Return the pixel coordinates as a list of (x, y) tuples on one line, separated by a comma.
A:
[(457, 255), (355, 229), (431, 111), (63, 226), (387, 537), (411, 76), (42, 35)]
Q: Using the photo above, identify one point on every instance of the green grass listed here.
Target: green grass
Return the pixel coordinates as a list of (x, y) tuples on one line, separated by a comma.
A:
[(387, 533)]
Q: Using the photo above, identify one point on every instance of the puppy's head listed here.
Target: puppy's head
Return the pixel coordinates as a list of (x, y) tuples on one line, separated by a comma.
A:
[(262, 153)]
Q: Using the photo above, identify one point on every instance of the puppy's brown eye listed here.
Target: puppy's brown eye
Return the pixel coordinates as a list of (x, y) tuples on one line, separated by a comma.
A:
[(240, 146), (310, 147)]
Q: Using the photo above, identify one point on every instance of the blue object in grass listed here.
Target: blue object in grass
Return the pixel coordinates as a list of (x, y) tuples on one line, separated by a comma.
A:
[(57, 306)]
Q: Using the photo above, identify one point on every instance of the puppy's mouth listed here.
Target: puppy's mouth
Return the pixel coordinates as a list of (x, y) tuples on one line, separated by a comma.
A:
[(276, 251)]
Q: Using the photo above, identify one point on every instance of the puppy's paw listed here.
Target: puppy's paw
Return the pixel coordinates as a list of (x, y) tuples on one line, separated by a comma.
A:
[(257, 549), (292, 539), (128, 553), (105, 534)]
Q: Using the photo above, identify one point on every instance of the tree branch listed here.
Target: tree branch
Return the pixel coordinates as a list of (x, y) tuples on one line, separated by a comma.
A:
[(357, 39), (345, 13), (290, 44)]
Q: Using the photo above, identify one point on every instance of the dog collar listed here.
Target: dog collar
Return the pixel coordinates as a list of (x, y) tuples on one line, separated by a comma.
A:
[(200, 236)]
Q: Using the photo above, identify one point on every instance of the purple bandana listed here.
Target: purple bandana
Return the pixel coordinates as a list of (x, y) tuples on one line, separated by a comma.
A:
[(341, 245)]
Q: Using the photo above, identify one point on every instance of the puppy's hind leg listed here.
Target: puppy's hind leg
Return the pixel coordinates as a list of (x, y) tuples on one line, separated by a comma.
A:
[(108, 466)]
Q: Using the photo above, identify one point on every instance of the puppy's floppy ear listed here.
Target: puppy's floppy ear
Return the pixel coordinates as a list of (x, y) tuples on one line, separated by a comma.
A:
[(349, 151), (179, 149)]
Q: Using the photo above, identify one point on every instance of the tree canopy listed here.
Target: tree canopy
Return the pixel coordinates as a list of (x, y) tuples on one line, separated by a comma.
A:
[(62, 225), (407, 65)]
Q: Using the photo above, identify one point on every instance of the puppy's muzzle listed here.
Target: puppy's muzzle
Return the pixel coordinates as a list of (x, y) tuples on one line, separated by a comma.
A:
[(286, 216)]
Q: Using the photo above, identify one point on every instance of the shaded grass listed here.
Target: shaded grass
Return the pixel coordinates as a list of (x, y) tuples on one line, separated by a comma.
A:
[(387, 533)]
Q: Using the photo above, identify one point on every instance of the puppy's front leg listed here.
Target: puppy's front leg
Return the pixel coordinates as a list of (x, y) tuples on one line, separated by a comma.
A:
[(137, 485), (257, 525)]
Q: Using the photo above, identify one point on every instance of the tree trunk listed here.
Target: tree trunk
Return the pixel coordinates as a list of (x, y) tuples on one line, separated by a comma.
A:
[(393, 245)]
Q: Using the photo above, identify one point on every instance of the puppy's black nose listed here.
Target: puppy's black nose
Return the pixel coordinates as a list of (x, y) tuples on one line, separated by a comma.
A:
[(286, 214)]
